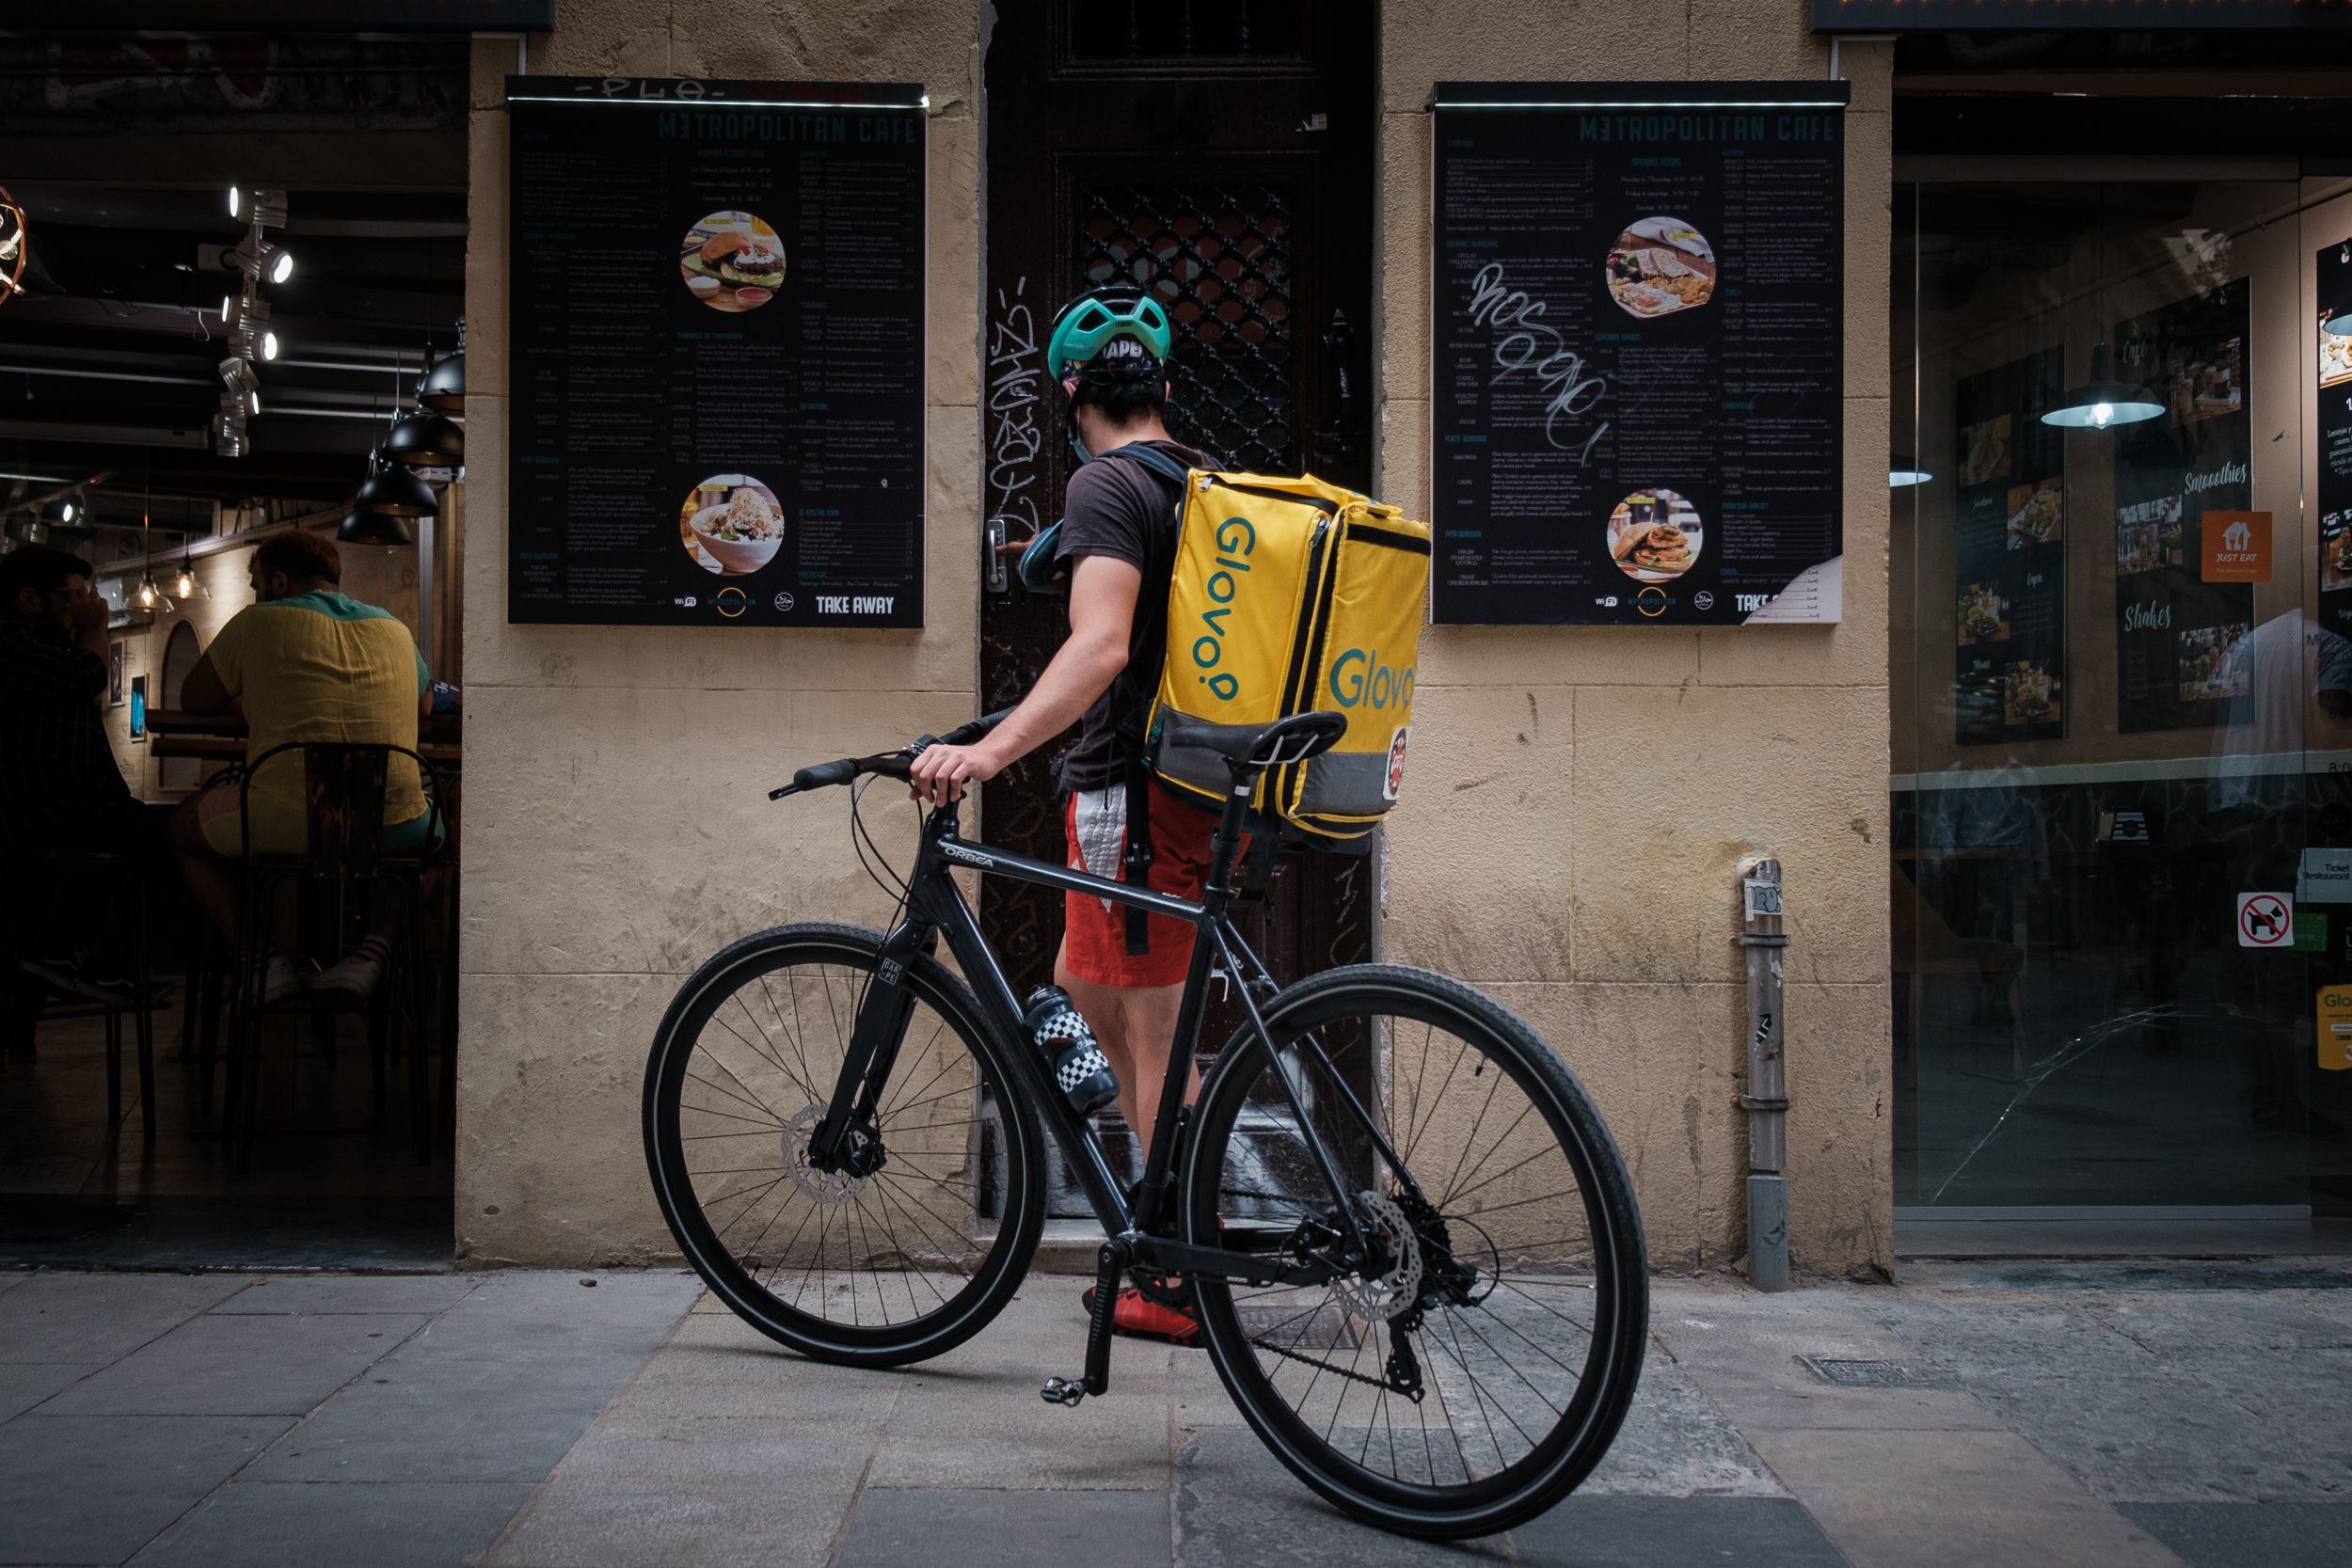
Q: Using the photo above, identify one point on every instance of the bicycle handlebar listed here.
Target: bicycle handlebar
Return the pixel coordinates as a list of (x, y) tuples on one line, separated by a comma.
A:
[(890, 764)]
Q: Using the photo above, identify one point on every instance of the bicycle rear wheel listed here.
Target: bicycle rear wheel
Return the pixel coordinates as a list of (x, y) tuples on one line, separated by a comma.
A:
[(898, 1264), (1484, 1367)]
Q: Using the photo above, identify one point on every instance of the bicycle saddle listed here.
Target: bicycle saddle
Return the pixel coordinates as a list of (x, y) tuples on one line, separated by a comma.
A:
[(1286, 741)]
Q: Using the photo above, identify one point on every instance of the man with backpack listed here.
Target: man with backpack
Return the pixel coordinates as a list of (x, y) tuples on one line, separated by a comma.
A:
[(1108, 350)]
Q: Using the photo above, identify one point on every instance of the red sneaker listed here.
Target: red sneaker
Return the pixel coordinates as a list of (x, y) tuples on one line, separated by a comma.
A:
[(1135, 1316)]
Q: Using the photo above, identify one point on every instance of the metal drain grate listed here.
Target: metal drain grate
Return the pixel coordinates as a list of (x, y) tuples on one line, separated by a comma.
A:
[(1875, 1374)]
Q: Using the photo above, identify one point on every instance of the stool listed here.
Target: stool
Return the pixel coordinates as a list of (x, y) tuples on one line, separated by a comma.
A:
[(63, 999), (344, 793)]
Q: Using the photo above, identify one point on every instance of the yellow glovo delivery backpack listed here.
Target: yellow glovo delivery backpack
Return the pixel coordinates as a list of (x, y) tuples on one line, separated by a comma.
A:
[(1290, 595)]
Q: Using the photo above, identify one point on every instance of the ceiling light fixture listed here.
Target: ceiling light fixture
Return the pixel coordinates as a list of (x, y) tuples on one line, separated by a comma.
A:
[(425, 439), (444, 388), (2103, 402), (1905, 472), (393, 490)]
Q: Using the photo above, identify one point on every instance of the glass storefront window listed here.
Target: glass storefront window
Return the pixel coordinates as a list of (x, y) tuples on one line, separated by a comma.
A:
[(2121, 691)]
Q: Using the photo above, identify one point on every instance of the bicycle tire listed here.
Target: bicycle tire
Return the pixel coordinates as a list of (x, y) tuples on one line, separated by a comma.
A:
[(907, 1216), (1423, 1502)]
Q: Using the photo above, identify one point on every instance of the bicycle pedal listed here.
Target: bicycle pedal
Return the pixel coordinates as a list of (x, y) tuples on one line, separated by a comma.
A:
[(1062, 1391)]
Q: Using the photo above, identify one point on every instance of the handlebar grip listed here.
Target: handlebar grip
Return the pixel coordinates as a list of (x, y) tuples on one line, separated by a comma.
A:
[(824, 773)]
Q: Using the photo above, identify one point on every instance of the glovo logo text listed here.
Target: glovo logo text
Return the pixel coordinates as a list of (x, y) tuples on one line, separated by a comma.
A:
[(1235, 539), (1359, 679)]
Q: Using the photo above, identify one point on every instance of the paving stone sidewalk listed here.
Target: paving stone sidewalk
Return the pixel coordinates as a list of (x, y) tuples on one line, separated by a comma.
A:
[(2163, 1415)]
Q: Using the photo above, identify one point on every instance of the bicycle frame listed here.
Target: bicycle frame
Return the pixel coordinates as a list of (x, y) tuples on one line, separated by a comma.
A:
[(936, 907)]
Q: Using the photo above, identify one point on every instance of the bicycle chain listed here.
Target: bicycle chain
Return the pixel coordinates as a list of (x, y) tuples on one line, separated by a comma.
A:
[(1352, 1377)]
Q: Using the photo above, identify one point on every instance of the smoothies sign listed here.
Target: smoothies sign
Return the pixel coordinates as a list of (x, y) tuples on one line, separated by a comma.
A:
[(717, 353), (1637, 345)]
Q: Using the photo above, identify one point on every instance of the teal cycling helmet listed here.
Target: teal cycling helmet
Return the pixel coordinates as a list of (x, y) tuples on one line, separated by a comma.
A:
[(1095, 318)]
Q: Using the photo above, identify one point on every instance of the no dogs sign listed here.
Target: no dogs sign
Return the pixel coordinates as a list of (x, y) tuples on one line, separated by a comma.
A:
[(2266, 920)]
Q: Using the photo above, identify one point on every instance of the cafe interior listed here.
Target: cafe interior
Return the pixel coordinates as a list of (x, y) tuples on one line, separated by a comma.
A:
[(238, 317)]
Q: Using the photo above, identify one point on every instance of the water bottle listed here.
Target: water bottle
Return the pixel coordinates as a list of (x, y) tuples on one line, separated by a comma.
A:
[(1061, 1033)]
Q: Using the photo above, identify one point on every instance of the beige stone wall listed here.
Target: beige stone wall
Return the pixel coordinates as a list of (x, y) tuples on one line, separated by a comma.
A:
[(1582, 797), (618, 833)]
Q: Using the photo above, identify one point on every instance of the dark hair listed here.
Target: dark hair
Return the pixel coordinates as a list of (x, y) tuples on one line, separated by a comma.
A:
[(304, 556), (1123, 388), (41, 567)]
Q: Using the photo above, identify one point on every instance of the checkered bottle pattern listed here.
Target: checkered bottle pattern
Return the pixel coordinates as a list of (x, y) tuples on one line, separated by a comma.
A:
[(1079, 1068)]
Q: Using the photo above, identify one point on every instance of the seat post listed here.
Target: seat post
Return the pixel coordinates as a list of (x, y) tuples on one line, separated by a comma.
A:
[(1226, 843)]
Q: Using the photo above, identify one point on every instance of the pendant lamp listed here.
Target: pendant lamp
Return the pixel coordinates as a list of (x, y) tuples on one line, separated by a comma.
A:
[(425, 439), (2103, 402), (444, 390), (1905, 472), (374, 528), (392, 490)]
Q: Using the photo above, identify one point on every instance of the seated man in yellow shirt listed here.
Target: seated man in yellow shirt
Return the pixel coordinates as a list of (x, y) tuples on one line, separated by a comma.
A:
[(304, 663)]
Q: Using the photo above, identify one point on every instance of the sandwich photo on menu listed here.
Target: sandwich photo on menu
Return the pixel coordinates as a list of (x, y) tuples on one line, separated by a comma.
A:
[(733, 262), (1660, 266), (1655, 535)]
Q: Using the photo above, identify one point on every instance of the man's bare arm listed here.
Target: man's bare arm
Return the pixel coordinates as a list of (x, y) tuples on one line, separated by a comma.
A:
[(1103, 596)]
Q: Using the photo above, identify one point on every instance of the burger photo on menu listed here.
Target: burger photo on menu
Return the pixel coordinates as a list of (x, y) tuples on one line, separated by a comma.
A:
[(1660, 266), (732, 525), (1983, 614), (2030, 692), (1655, 535), (733, 262)]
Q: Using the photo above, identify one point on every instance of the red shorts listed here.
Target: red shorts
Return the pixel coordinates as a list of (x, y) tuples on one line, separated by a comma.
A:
[(1094, 931)]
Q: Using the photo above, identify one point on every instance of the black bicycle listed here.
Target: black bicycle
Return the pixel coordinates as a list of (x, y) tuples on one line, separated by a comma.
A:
[(1411, 1239)]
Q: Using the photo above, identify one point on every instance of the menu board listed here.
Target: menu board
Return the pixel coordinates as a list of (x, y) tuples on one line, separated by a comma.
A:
[(716, 344), (2181, 648), (1638, 342), (2008, 550), (2333, 495)]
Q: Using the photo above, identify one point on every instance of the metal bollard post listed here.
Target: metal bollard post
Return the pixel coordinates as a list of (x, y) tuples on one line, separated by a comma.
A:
[(1767, 1100)]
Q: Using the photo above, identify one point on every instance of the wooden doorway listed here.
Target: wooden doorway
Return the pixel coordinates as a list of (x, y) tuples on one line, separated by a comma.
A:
[(1221, 153)]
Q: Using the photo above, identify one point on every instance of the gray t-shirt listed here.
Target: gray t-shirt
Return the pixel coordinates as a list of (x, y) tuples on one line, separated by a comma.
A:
[(1121, 509)]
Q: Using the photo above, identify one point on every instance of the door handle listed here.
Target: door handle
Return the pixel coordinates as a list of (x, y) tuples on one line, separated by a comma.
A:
[(1339, 348)]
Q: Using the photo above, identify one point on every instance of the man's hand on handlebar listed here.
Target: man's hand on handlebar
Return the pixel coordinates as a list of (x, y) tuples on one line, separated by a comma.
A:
[(939, 772)]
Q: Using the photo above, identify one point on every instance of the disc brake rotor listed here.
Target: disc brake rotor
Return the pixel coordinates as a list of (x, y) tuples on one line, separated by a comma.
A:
[(825, 1186), (1392, 1293)]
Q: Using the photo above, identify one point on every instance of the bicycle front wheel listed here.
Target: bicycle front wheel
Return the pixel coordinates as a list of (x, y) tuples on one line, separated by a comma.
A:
[(898, 1263), (1478, 1371)]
